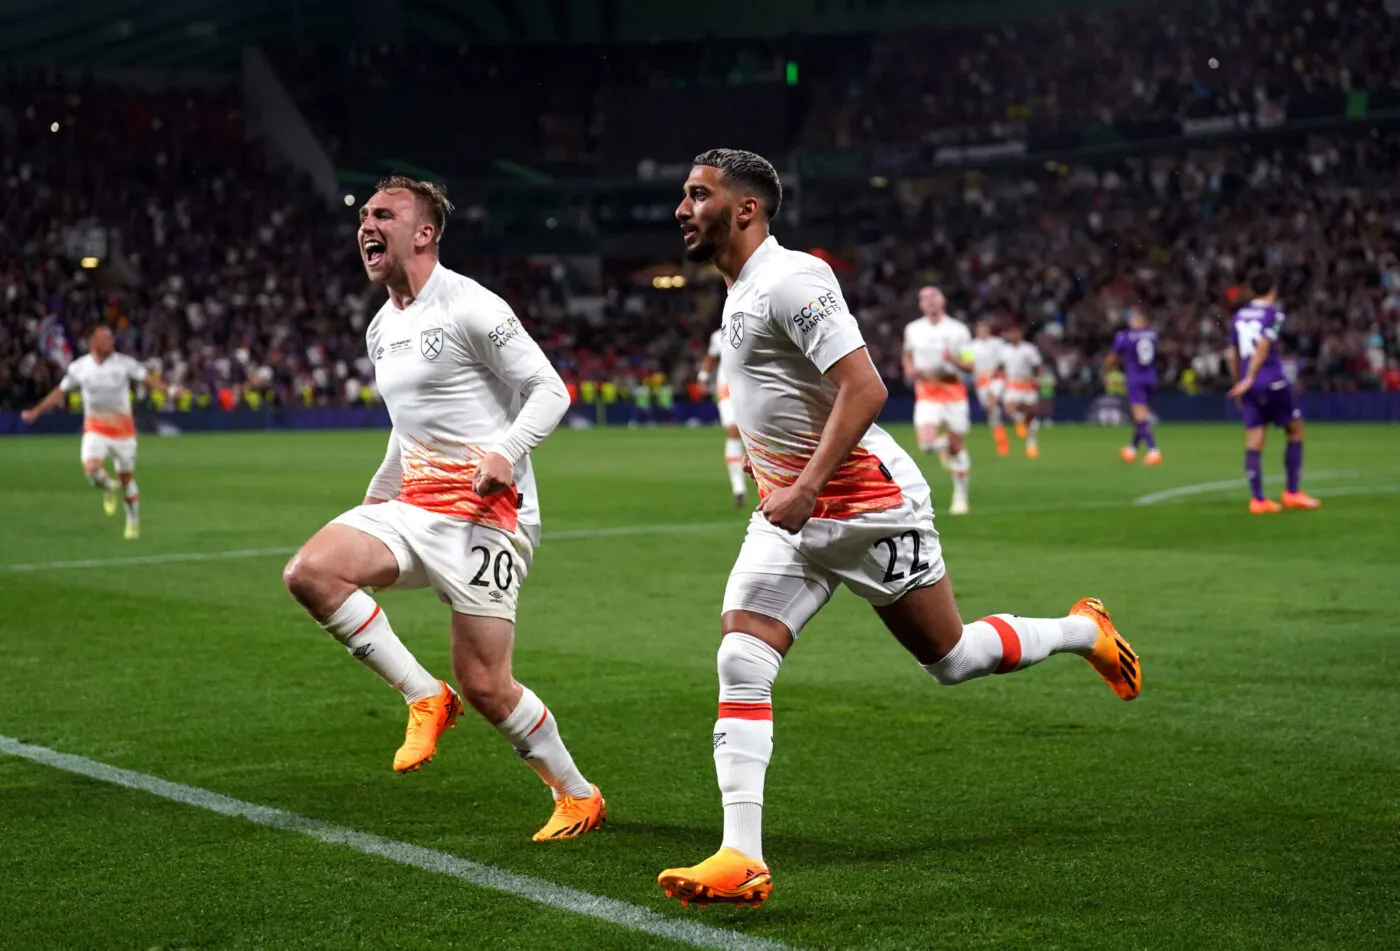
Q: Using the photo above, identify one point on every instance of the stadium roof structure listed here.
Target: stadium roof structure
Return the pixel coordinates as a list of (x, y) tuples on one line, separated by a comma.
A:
[(210, 34)]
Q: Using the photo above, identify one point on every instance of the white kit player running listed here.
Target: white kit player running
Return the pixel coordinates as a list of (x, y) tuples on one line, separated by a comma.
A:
[(104, 378), (935, 355), (712, 375), (1021, 360), (987, 365), (841, 504), (453, 507)]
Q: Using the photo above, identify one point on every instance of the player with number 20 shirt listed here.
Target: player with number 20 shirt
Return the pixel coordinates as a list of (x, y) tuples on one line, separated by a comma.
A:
[(842, 503)]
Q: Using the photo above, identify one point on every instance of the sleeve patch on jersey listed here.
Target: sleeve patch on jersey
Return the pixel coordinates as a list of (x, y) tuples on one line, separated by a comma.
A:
[(506, 331), (815, 311)]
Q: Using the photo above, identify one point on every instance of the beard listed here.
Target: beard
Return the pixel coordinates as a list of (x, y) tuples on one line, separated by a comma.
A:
[(712, 239)]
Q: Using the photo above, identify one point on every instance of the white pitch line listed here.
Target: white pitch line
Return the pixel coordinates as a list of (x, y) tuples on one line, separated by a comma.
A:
[(619, 531), (1200, 488), (633, 917)]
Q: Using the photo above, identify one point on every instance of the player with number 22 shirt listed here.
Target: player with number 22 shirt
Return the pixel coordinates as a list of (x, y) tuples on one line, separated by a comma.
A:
[(453, 507), (842, 503)]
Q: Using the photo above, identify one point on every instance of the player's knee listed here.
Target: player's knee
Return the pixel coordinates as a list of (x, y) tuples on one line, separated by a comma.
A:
[(306, 577), (747, 667)]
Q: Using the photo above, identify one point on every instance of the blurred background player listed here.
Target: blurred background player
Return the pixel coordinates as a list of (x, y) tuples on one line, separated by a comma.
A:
[(1021, 360), (470, 395), (1266, 396), (712, 375), (1135, 348), (990, 382), (103, 378), (842, 503), (936, 353)]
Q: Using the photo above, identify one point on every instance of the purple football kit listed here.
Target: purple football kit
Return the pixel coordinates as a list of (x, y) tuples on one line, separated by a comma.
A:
[(1270, 400), (1137, 348)]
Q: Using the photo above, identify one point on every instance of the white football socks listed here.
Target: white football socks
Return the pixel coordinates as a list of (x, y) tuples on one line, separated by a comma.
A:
[(1033, 431), (994, 415), (364, 629), (961, 468), (101, 480), (534, 733), (1003, 642), (744, 737), (131, 497), (734, 462)]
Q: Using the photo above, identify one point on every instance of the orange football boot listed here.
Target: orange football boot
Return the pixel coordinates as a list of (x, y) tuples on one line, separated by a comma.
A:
[(1300, 500), (1032, 452), (728, 876), (1021, 429), (573, 816), (427, 720), (1153, 458), (1128, 454), (999, 434), (1264, 507), (1113, 657)]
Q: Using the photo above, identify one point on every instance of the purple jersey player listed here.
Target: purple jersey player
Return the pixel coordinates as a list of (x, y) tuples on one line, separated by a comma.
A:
[(1266, 395), (1136, 350)]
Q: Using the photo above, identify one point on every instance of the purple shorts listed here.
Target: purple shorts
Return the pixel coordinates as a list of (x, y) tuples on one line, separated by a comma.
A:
[(1140, 392), (1264, 406)]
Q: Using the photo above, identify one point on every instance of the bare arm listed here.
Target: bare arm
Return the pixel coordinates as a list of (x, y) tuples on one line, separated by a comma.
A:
[(860, 396), (1232, 360), (51, 401), (1261, 353), (907, 361), (707, 372)]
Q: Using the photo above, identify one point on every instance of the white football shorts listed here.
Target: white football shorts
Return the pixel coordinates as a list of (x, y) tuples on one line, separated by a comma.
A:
[(951, 415), (477, 569), (881, 557), (1021, 396), (99, 447), (990, 394), (726, 412)]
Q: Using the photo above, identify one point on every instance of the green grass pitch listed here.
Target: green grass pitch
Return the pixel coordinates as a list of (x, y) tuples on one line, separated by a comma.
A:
[(1247, 800)]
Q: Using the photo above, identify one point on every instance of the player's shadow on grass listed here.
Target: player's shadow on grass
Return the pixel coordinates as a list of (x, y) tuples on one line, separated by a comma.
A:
[(680, 844)]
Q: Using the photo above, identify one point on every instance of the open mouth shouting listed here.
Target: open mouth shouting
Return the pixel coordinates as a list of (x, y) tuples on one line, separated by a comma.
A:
[(373, 250)]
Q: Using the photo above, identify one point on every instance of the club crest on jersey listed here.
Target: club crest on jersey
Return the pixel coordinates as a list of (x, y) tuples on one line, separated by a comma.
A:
[(735, 329), (430, 343)]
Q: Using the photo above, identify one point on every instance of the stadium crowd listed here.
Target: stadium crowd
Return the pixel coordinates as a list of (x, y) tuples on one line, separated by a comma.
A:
[(224, 271)]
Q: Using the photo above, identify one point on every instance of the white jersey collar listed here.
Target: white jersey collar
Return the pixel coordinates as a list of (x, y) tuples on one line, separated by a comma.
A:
[(765, 250)]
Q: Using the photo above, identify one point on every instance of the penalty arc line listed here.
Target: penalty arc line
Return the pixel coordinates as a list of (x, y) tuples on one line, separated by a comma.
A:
[(561, 897)]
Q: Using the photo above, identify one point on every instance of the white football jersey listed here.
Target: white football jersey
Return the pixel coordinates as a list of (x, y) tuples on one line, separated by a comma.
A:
[(934, 345), (106, 392), (715, 351), (1021, 361), (450, 368), (785, 324), (987, 355)]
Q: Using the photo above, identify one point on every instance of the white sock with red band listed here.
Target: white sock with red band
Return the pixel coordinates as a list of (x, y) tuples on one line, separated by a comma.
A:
[(1003, 642), (534, 733), (364, 629), (744, 737), (960, 466), (101, 480)]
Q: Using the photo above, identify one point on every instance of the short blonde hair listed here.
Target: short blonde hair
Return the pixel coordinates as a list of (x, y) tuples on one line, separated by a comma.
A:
[(431, 196)]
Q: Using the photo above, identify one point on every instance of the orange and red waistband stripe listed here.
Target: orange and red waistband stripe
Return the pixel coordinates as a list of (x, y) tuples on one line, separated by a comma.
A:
[(1010, 644), (744, 710)]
